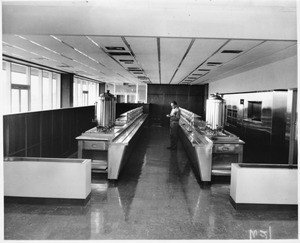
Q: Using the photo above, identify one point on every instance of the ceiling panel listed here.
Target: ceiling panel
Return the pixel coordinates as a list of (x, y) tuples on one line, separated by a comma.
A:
[(233, 45), (59, 61), (116, 49), (10, 50), (261, 51), (172, 51), (199, 52), (98, 62), (83, 44), (285, 53), (80, 61), (145, 51), (30, 47), (109, 42)]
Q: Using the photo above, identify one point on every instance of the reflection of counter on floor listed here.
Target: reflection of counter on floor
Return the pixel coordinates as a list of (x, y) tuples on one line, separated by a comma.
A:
[(31, 177), (271, 184)]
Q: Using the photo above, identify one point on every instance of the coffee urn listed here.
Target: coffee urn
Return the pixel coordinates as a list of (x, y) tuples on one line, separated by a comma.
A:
[(215, 108), (105, 111)]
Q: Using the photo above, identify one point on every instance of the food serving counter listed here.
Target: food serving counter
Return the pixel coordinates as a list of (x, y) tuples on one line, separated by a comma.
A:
[(210, 151), (109, 150)]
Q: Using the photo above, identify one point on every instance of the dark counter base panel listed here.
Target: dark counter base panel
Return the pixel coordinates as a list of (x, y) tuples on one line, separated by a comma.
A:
[(47, 201), (254, 206)]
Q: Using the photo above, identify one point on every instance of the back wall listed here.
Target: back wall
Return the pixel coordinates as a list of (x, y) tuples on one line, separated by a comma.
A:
[(189, 97)]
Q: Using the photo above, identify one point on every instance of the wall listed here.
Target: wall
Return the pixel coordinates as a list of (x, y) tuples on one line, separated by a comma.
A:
[(46, 133), (50, 133), (67, 90), (277, 75), (189, 97)]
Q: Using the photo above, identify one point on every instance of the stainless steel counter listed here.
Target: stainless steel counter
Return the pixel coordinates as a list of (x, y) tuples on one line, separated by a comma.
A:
[(211, 153), (113, 146)]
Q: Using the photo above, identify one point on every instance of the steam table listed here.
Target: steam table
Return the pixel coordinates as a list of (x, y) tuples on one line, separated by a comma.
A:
[(116, 144), (210, 154)]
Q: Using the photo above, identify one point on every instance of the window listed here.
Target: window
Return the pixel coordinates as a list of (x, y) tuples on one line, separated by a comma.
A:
[(84, 92), (4, 72), (19, 88), (30, 89), (254, 110), (54, 90), (120, 98), (142, 93), (47, 91), (19, 100), (231, 117), (24, 100), (110, 87), (133, 93), (131, 98), (18, 74), (35, 97), (93, 94), (15, 101)]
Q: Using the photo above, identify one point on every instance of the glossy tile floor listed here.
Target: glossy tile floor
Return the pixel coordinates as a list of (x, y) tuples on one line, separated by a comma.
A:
[(156, 197)]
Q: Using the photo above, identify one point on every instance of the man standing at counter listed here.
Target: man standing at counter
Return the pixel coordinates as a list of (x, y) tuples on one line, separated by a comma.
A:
[(174, 123)]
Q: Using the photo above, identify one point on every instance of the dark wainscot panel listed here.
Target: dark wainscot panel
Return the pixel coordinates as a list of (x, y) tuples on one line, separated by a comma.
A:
[(46, 133), (189, 97)]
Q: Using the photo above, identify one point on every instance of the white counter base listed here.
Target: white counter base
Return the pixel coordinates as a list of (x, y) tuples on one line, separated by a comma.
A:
[(47, 178), (264, 185)]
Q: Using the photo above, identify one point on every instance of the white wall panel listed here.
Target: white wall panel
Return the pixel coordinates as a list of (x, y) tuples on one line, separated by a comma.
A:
[(278, 75)]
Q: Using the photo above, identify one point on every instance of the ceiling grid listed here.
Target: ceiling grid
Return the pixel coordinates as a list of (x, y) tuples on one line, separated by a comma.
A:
[(128, 41)]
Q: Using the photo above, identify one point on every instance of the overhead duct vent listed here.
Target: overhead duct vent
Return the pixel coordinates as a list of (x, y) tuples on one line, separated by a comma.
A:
[(204, 70), (126, 61), (39, 58), (119, 53), (138, 72), (64, 66), (134, 69), (197, 74), (213, 63), (115, 48), (232, 51)]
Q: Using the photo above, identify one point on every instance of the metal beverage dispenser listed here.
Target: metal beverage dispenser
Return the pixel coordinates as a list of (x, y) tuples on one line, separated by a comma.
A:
[(105, 111), (215, 107)]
